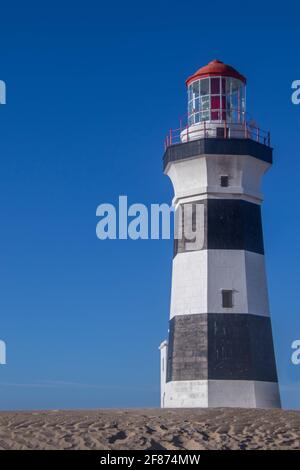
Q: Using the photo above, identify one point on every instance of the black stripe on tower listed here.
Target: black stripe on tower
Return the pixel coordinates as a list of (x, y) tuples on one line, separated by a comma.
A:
[(229, 224), (216, 146), (220, 346)]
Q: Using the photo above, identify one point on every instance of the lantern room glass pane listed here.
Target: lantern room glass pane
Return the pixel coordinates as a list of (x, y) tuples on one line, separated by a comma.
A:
[(223, 81), (223, 103), (204, 108), (204, 86), (205, 116), (205, 102), (215, 107), (195, 89), (215, 86), (235, 100), (215, 102)]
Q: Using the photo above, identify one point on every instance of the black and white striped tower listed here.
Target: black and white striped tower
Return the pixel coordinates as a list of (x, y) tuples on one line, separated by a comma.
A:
[(220, 349)]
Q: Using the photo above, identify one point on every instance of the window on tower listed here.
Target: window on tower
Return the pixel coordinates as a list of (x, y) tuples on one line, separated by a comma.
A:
[(227, 298), (224, 181)]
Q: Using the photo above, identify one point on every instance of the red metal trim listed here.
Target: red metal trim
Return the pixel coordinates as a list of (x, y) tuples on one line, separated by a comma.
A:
[(195, 77)]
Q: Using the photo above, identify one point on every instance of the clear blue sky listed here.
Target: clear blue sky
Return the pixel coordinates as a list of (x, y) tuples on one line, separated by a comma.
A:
[(92, 87)]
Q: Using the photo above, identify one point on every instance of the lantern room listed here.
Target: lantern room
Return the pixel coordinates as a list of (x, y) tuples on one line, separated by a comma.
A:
[(216, 102), (216, 92), (216, 108)]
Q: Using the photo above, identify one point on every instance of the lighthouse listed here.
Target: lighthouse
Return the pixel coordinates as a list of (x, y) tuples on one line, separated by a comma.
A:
[(219, 351)]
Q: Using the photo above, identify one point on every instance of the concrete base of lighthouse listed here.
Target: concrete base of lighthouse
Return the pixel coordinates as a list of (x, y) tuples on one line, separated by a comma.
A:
[(225, 393), (215, 393)]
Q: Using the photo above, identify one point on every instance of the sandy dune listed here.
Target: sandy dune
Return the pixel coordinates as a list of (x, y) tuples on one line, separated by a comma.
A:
[(154, 429)]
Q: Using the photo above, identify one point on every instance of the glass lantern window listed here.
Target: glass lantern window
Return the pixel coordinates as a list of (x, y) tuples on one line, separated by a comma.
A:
[(215, 86), (204, 86), (216, 99)]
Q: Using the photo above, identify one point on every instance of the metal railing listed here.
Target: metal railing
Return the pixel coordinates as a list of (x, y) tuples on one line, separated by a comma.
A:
[(218, 129)]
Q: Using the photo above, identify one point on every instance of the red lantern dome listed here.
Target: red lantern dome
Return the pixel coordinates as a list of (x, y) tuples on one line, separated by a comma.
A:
[(216, 68)]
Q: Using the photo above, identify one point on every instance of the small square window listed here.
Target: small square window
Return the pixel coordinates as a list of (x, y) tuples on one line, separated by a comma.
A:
[(220, 130), (227, 298), (224, 180)]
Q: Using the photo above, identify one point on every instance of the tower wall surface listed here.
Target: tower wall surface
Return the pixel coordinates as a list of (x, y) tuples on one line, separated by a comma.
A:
[(220, 355)]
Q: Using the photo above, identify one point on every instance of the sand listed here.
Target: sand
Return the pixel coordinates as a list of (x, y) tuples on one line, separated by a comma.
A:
[(151, 429)]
